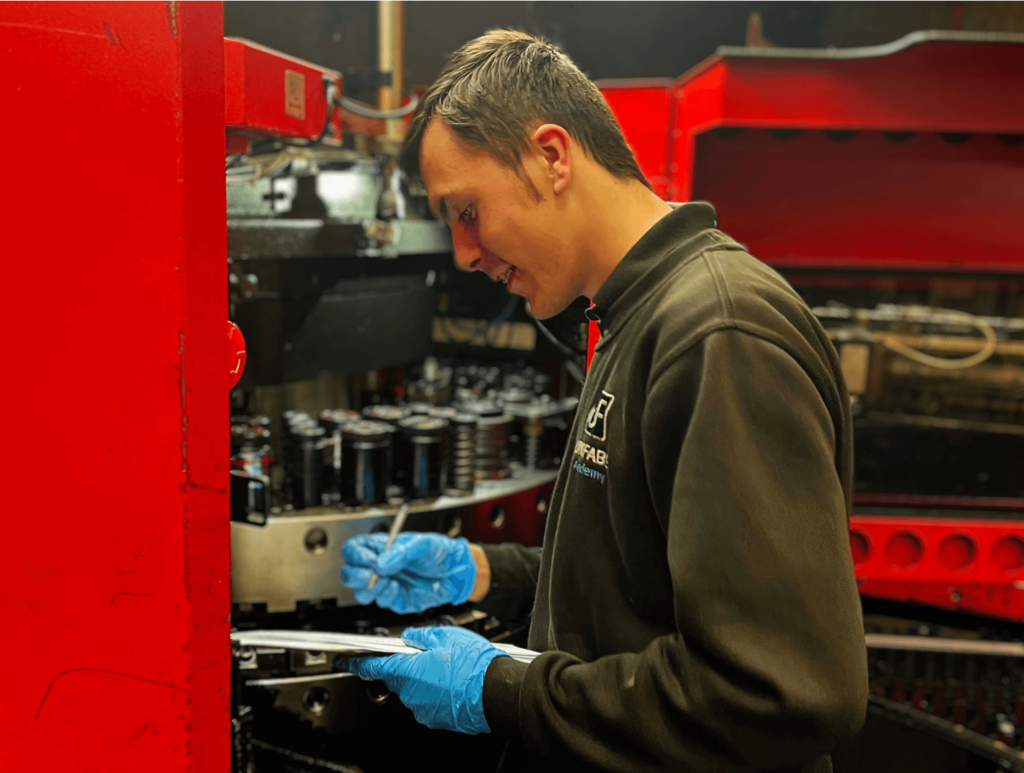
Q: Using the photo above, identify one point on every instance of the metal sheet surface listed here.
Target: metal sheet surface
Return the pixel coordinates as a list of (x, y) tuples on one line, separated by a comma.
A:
[(297, 557)]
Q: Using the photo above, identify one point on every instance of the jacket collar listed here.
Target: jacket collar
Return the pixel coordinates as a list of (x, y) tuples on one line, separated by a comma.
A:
[(641, 270)]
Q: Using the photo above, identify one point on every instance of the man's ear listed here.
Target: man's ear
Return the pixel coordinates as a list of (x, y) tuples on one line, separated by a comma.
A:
[(552, 143)]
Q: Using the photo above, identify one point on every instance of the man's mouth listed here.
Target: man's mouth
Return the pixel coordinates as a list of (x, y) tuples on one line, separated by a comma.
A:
[(508, 275)]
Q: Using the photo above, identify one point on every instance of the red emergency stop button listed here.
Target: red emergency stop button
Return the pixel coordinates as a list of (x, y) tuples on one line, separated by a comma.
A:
[(236, 353)]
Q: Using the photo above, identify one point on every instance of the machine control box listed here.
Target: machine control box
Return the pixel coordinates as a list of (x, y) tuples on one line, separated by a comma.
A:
[(268, 94)]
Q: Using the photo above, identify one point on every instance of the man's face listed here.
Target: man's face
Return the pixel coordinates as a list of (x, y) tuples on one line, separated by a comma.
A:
[(498, 224)]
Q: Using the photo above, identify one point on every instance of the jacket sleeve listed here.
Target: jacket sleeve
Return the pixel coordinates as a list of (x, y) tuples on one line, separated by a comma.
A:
[(767, 669), (514, 570)]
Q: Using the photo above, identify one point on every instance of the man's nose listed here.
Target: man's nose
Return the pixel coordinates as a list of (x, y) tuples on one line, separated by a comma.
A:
[(468, 253)]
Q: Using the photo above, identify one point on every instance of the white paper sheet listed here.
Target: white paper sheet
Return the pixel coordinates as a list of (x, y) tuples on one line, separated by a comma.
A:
[(347, 643)]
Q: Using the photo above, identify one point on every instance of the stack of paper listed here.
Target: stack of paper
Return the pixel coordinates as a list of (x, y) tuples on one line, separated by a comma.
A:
[(347, 643)]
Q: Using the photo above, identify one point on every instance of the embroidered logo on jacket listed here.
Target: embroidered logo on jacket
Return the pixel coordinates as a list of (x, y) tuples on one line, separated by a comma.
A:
[(588, 453), (596, 419), (584, 453)]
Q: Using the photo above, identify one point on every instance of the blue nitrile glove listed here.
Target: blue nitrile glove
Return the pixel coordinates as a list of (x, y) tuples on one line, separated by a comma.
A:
[(444, 684), (418, 572)]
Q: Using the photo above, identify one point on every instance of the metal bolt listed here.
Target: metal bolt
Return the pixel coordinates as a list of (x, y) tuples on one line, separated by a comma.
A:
[(315, 700)]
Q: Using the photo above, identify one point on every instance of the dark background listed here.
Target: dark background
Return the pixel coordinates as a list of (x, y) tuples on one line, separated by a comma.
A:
[(605, 39)]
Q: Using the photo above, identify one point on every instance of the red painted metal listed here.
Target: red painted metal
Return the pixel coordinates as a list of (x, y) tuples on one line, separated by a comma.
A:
[(927, 86), (882, 147), (868, 202), (516, 518), (1004, 601), (593, 336), (932, 549), (270, 94), (236, 354), (969, 565), (645, 110), (114, 582), (897, 181)]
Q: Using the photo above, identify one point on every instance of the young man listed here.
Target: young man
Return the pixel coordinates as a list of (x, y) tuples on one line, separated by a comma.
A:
[(694, 600)]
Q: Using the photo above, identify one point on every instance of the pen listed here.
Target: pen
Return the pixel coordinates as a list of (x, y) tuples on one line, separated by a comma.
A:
[(396, 526)]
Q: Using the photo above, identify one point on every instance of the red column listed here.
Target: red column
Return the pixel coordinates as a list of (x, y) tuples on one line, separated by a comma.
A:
[(115, 572)]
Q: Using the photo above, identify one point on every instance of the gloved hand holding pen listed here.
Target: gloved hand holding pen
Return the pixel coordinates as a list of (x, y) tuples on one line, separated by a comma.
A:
[(418, 572), (444, 684)]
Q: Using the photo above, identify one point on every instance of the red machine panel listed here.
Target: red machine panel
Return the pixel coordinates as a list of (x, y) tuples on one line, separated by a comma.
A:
[(935, 550), (809, 155), (516, 518), (114, 583), (875, 200), (908, 155), (925, 82), (269, 94), (644, 110)]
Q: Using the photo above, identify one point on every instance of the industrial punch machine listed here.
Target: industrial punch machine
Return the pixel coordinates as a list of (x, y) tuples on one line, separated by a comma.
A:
[(211, 482)]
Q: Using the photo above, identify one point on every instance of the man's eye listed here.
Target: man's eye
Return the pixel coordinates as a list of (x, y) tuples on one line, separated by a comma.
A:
[(468, 215)]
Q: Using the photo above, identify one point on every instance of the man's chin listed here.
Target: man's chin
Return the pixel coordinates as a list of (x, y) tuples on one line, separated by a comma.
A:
[(542, 308)]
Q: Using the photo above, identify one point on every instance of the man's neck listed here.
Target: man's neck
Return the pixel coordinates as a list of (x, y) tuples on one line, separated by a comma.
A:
[(620, 213)]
